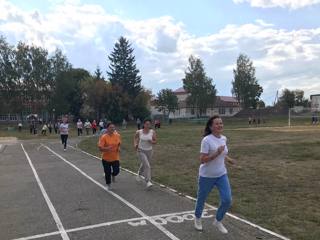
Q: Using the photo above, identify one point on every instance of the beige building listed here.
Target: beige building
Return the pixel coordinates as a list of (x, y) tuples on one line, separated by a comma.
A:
[(223, 106), (315, 102)]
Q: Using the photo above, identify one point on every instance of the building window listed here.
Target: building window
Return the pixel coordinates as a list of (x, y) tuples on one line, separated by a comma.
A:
[(13, 118), (192, 111), (222, 111), (231, 110)]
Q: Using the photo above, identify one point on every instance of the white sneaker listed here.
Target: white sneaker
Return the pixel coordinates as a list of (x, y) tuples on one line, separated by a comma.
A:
[(138, 178), (64, 149), (220, 226), (149, 184), (198, 224), (109, 187)]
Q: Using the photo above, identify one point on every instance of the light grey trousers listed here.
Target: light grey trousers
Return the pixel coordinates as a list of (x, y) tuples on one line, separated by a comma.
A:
[(145, 158)]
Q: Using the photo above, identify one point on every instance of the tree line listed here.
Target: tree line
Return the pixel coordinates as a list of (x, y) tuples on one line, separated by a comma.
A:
[(32, 80), (245, 88), (202, 90)]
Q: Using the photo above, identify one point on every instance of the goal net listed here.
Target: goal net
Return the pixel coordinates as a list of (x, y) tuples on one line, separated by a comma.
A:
[(301, 116)]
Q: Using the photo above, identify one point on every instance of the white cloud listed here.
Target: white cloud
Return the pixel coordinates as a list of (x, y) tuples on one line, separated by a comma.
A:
[(86, 33), (291, 4)]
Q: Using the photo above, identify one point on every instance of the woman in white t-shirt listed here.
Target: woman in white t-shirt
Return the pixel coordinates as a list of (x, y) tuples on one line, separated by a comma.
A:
[(213, 172), (143, 141), (64, 131)]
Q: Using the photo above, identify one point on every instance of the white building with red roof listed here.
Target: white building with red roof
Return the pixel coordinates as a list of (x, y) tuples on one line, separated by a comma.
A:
[(223, 105)]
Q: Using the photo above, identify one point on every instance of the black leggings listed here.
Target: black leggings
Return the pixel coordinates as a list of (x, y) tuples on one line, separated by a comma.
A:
[(108, 166), (64, 139)]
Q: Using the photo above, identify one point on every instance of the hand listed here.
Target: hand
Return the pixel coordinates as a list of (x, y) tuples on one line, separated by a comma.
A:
[(108, 148), (231, 161), (221, 149)]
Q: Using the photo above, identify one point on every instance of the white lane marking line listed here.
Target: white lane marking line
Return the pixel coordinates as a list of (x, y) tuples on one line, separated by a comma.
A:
[(53, 211), (212, 207), (111, 223), (137, 210), (126, 221), (257, 226), (39, 236)]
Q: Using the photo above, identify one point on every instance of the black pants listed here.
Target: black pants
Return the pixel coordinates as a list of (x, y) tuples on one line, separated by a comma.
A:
[(79, 131), (64, 139), (110, 168)]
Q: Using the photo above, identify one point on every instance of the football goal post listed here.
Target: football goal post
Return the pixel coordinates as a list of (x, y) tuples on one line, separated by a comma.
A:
[(301, 116)]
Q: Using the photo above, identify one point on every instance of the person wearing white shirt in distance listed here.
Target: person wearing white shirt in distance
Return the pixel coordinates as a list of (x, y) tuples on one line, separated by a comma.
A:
[(64, 131)]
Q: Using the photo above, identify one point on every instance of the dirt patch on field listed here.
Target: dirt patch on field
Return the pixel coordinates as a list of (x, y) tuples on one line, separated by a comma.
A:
[(8, 140)]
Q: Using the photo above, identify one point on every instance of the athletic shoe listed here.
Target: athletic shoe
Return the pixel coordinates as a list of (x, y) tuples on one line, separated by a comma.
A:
[(109, 187), (149, 184), (64, 149), (220, 226), (113, 178), (198, 224), (138, 178)]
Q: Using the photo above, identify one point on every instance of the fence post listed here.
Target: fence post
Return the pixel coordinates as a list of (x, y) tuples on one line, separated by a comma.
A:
[(289, 118)]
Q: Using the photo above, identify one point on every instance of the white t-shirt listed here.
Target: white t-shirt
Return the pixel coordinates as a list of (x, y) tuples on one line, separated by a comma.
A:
[(79, 125), (64, 128), (144, 140), (215, 168)]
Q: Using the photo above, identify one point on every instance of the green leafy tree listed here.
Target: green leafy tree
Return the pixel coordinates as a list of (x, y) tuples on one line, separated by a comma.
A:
[(67, 97), (261, 104), (287, 99), (94, 96), (245, 86), (300, 100), (8, 78), (32, 68), (166, 101), (140, 106), (200, 87)]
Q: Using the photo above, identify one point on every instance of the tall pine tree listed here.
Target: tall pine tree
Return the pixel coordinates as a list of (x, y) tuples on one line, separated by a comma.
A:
[(199, 85), (124, 76), (245, 85), (123, 70)]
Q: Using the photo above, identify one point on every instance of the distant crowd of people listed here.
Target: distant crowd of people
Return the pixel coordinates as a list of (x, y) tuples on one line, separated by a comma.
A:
[(254, 121), (83, 128)]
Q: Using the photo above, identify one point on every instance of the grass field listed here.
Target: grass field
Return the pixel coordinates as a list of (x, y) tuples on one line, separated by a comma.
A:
[(276, 184)]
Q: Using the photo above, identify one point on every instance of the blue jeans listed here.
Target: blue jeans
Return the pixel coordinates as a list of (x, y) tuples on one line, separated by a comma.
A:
[(204, 188)]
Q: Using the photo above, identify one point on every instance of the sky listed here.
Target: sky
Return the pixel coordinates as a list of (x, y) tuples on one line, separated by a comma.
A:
[(281, 37)]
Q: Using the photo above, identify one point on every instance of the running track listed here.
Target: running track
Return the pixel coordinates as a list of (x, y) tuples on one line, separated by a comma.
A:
[(50, 194)]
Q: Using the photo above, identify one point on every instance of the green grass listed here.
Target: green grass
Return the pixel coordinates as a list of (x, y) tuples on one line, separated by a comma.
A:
[(276, 186)]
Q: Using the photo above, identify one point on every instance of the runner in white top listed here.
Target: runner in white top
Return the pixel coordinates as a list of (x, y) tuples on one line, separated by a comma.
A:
[(213, 172), (79, 127), (64, 131), (143, 141)]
